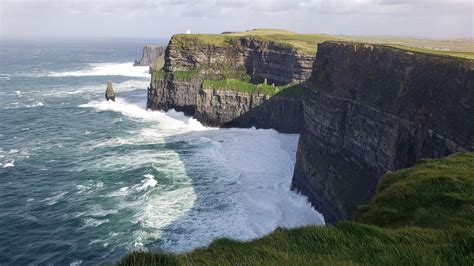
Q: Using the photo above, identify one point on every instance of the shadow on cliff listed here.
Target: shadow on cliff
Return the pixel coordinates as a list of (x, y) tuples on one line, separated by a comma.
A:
[(282, 112)]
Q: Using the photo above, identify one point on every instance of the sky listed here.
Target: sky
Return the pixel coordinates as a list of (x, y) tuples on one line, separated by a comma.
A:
[(152, 19)]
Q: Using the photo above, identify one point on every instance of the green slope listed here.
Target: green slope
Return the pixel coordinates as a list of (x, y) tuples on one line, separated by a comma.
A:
[(423, 215)]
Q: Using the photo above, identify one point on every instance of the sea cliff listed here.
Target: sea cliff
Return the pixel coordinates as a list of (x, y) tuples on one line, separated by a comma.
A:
[(238, 81), (153, 56), (371, 109), (362, 109)]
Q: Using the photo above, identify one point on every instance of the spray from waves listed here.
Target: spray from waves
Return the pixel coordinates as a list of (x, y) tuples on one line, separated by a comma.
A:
[(173, 122), (246, 192), (243, 193), (148, 182), (106, 69)]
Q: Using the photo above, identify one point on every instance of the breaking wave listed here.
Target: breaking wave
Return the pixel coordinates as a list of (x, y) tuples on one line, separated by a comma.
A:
[(106, 69)]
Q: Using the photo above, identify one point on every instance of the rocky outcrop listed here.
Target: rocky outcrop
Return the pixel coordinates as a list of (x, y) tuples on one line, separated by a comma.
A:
[(373, 109), (189, 60), (151, 55)]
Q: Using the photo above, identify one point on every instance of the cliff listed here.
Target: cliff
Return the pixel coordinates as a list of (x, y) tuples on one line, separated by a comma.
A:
[(153, 56), (361, 109), (238, 81), (372, 109)]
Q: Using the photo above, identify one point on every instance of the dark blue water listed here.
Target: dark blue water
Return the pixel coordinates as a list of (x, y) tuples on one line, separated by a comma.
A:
[(85, 181)]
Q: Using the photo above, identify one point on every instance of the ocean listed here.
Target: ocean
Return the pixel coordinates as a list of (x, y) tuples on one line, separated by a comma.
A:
[(86, 181)]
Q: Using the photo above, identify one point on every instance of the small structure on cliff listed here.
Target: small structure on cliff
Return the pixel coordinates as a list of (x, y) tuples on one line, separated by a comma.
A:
[(109, 92)]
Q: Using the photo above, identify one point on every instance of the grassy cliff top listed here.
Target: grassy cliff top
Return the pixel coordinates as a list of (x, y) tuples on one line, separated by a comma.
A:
[(302, 43), (243, 86), (307, 43), (423, 215)]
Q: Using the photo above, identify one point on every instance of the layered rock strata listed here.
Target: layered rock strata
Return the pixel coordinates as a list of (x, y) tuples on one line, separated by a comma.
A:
[(151, 55), (373, 109), (189, 61)]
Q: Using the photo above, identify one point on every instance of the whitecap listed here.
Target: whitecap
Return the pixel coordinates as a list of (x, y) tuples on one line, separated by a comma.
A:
[(9, 164), (75, 263), (34, 104), (105, 69), (176, 122), (54, 199), (148, 182), (91, 222)]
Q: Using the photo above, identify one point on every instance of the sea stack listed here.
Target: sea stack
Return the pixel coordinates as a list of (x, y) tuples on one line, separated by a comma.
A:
[(109, 93)]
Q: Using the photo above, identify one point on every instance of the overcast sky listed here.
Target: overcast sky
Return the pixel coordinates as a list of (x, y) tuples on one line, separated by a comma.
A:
[(162, 18)]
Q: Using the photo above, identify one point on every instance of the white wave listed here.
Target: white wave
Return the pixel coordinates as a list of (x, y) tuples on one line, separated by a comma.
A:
[(173, 122), (34, 104), (54, 199), (106, 69), (148, 182), (91, 222), (9, 164), (13, 151), (18, 93)]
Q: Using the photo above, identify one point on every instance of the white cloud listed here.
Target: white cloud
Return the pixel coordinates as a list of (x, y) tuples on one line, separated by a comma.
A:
[(148, 18)]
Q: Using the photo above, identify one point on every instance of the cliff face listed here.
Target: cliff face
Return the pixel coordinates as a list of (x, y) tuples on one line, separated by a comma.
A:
[(258, 58), (373, 109), (189, 61), (227, 108), (151, 54)]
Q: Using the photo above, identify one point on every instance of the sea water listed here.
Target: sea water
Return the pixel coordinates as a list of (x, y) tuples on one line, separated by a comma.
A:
[(85, 181)]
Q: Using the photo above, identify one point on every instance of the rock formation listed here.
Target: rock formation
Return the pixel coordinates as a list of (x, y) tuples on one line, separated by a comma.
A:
[(373, 109), (152, 56), (109, 92), (189, 61)]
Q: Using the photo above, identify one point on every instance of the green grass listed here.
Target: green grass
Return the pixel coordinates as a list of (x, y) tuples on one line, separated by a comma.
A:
[(247, 87), (161, 74), (185, 74), (422, 215), (307, 43)]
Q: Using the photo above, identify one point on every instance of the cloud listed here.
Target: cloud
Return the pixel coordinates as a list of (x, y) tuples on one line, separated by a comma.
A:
[(149, 18)]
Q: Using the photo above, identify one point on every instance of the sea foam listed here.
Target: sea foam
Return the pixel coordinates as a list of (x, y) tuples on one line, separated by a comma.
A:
[(105, 69), (235, 183)]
